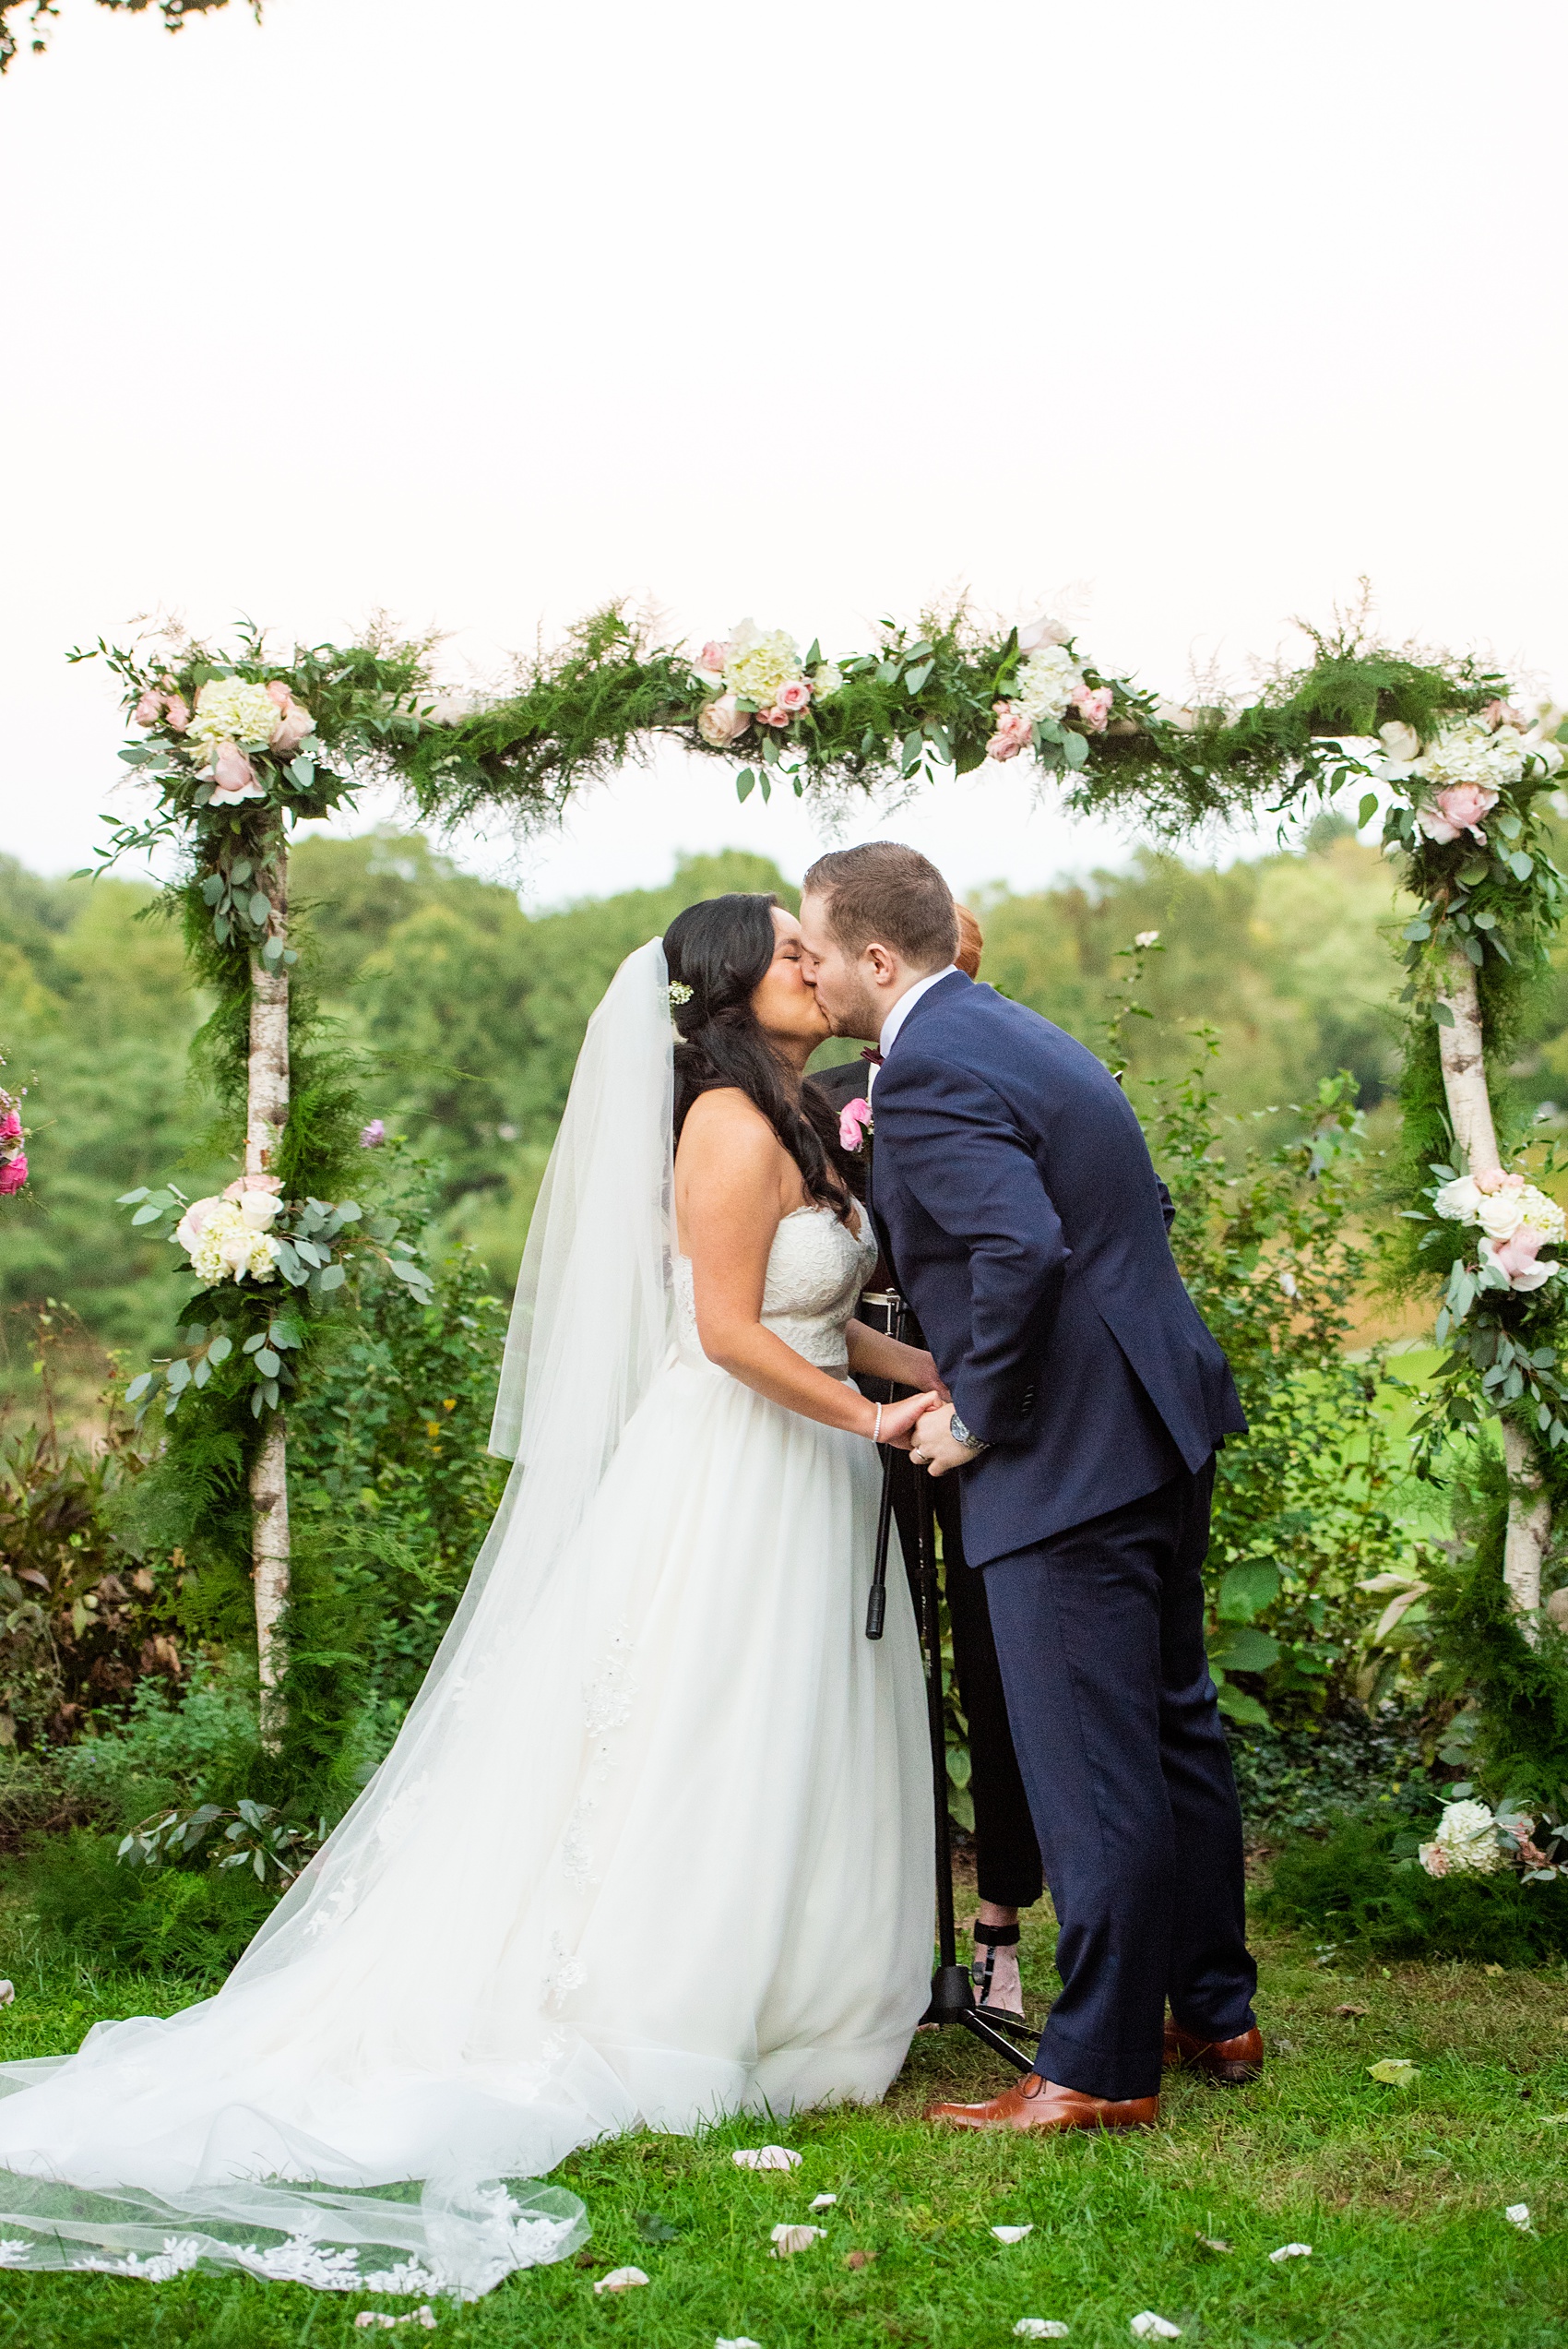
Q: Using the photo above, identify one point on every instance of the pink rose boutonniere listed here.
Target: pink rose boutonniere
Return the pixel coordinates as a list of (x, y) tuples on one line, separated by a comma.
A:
[(854, 1123)]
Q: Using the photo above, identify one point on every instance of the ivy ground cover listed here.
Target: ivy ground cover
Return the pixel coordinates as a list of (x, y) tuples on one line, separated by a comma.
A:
[(1402, 2193)]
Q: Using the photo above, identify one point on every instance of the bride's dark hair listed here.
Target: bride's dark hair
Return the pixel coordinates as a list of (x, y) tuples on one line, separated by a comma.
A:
[(722, 950)]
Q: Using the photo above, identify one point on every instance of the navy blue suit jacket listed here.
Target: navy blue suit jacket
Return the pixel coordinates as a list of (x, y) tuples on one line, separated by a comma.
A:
[(1016, 1201)]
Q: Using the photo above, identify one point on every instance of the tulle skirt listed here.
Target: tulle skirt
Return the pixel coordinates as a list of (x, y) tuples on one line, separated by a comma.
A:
[(668, 1859)]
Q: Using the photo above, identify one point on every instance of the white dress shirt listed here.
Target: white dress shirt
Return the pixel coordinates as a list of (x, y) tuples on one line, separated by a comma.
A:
[(903, 1007)]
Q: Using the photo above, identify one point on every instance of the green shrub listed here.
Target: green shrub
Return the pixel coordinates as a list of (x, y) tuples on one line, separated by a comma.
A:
[(1346, 1888), (171, 1749), (184, 1921)]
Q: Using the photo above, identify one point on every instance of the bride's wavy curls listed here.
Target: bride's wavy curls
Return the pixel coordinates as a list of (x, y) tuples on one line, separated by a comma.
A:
[(722, 950)]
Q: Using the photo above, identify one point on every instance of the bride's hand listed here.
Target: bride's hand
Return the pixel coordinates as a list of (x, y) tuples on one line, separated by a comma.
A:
[(898, 1419)]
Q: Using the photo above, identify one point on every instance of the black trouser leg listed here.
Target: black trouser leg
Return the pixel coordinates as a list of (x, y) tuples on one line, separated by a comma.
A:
[(1099, 1637), (1006, 1847)]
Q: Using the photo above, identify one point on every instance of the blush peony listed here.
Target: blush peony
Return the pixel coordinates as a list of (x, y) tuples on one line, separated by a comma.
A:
[(1458, 808)]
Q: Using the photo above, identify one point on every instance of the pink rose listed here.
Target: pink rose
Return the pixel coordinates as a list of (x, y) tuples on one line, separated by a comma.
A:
[(234, 776), (854, 1123), (1462, 807), (794, 694), (1516, 1259), (13, 1174), (148, 709), (774, 717), (11, 1126), (1013, 733), (723, 721), (1094, 708), (1502, 713), (178, 716), (291, 728), (1494, 1180), (713, 656), (278, 692)]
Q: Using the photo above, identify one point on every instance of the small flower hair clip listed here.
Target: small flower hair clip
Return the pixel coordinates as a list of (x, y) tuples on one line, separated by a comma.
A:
[(677, 991)]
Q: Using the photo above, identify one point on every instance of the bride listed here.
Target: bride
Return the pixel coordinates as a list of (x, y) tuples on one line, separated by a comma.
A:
[(653, 1844)]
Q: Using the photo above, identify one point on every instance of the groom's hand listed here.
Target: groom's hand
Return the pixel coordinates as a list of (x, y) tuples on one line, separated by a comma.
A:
[(935, 1447)]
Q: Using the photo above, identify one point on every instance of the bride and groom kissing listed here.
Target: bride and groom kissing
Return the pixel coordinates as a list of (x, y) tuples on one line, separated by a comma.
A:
[(653, 1842)]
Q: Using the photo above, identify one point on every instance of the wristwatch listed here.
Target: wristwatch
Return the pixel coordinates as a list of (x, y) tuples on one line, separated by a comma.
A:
[(961, 1435)]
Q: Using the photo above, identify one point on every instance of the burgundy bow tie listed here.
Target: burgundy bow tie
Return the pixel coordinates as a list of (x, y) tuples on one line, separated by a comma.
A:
[(875, 1057)]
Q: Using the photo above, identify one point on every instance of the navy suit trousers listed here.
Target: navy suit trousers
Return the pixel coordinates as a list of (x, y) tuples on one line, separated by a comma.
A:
[(1099, 1634)]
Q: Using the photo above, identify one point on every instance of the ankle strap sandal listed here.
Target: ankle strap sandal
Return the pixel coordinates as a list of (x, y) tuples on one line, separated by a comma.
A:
[(989, 1938)]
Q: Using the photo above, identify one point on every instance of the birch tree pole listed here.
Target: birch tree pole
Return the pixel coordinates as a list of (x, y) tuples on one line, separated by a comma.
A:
[(266, 1113), (1462, 1051)]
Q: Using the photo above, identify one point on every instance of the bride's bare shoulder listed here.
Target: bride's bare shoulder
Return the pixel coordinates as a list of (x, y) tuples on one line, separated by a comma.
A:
[(726, 1125)]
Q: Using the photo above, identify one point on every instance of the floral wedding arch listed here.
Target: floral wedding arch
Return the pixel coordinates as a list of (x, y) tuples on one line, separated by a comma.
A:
[(238, 746)]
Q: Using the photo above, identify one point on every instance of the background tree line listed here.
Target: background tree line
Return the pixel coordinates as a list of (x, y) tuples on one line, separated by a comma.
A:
[(470, 1012)]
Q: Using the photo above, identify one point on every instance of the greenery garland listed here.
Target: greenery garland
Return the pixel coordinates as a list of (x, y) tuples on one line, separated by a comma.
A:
[(240, 746)]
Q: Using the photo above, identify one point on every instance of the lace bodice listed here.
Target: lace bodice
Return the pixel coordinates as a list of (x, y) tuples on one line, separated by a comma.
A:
[(816, 1268)]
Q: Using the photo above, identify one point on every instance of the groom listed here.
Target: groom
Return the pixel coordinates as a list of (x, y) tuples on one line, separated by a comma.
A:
[(1014, 1195)]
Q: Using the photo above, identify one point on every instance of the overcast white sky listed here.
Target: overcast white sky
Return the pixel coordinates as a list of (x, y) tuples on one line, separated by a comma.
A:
[(1173, 318)]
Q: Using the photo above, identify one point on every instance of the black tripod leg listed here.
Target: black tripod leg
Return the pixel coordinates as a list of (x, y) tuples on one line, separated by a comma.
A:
[(877, 1597)]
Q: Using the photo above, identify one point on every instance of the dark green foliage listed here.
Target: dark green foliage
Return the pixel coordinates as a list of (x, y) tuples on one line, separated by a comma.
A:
[(1347, 1889), (81, 1623), (183, 1921), (1521, 1742), (1296, 1781), (392, 1478), (1306, 1504)]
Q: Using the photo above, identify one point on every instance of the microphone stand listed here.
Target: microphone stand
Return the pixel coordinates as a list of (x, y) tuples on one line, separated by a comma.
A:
[(952, 1992)]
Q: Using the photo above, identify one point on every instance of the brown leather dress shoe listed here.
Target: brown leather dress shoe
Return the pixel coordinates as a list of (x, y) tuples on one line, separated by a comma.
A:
[(1234, 2060), (1041, 2105)]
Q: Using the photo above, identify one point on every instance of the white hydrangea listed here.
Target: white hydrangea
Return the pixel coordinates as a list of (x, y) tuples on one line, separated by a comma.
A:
[(759, 663), (228, 1246), (1046, 683), (827, 679), (1466, 1843), (227, 709), (1467, 751)]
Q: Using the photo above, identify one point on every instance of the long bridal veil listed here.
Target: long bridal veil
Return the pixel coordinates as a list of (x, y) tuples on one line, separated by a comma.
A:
[(364, 2041)]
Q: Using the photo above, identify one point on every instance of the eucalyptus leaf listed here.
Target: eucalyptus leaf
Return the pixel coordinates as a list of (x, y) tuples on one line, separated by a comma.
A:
[(332, 1276), (267, 1363), (220, 1348), (259, 909)]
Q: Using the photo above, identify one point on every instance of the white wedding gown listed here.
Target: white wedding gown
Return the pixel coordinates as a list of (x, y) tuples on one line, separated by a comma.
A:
[(654, 1847)]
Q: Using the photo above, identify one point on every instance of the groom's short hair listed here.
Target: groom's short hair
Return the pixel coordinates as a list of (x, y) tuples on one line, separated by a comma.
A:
[(888, 895)]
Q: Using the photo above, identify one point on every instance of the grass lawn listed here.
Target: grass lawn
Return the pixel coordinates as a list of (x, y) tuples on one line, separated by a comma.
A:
[(1401, 2193)]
